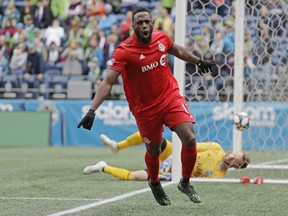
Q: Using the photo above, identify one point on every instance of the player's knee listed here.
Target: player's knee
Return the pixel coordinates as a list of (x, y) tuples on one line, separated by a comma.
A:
[(190, 141), (155, 151)]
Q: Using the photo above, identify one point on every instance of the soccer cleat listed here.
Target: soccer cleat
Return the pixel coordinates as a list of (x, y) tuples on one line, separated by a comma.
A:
[(188, 189), (160, 195), (111, 143), (98, 167)]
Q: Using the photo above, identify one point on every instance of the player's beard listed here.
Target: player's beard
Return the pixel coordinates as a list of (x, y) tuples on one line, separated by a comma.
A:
[(144, 39)]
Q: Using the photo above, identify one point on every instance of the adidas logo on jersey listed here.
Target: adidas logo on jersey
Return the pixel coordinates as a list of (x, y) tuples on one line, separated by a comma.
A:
[(142, 57)]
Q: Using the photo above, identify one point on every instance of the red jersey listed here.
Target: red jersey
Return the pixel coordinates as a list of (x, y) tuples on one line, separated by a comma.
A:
[(148, 82)]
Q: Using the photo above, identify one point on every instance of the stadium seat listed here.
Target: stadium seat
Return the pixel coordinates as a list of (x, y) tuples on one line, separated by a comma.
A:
[(77, 78), (153, 5), (62, 80), (77, 89), (143, 4), (191, 19), (58, 86), (203, 20), (53, 71), (120, 17), (210, 11), (9, 82)]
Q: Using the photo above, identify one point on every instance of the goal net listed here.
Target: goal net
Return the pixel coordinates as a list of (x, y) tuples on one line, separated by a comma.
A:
[(249, 40)]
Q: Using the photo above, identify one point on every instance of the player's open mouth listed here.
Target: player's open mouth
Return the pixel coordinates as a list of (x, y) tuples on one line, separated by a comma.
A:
[(145, 34)]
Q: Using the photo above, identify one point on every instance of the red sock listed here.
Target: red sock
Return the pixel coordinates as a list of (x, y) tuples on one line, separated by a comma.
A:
[(152, 163), (188, 159)]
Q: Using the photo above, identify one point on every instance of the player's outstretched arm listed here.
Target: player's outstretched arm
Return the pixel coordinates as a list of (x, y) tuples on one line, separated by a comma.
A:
[(204, 66), (101, 94)]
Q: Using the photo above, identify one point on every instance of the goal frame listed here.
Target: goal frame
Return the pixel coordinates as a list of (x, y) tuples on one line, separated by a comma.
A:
[(179, 73)]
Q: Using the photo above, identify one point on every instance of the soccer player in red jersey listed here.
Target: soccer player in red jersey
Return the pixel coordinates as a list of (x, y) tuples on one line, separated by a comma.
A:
[(154, 97)]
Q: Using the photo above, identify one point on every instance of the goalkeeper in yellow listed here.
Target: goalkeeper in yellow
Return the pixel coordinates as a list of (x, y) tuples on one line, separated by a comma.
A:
[(212, 161)]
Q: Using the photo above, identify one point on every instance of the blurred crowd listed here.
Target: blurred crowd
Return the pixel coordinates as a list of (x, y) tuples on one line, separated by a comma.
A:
[(211, 35), (46, 43)]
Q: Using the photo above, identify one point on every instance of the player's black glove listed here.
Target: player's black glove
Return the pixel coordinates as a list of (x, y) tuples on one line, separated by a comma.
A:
[(88, 119), (205, 66)]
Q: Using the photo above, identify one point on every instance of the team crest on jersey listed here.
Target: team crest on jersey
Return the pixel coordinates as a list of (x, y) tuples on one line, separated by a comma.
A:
[(161, 47), (146, 140)]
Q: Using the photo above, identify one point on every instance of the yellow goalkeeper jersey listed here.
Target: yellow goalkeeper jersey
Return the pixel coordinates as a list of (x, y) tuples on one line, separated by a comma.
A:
[(209, 154)]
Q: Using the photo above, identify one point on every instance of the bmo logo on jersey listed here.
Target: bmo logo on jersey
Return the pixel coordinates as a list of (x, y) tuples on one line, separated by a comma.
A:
[(154, 64)]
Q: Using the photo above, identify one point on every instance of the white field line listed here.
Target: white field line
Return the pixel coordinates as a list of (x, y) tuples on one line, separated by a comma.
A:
[(48, 198), (274, 162), (266, 181), (105, 201), (270, 165)]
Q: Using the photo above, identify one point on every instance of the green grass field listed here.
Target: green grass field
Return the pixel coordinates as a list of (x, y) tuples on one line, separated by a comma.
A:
[(47, 181)]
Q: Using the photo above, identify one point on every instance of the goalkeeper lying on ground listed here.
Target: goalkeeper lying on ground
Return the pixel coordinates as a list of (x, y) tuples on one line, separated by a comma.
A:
[(212, 161)]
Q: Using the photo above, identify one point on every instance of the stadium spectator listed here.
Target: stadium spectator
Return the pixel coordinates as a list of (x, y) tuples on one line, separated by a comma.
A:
[(4, 47), (26, 11), (41, 48), (200, 46), (95, 7), (54, 33), (19, 59), (4, 64), (221, 7), (113, 42), (19, 30), (212, 161), (73, 8), (126, 26), (43, 16), (93, 50), (11, 13), (53, 54), (215, 22), (164, 22), (115, 29), (29, 27), (80, 37), (106, 21), (8, 30), (229, 31), (35, 62), (217, 45), (102, 41), (264, 48), (248, 44), (160, 100), (33, 76), (168, 4), (269, 17), (207, 34), (73, 56), (116, 4), (94, 73), (75, 24), (91, 27), (278, 16), (58, 8)]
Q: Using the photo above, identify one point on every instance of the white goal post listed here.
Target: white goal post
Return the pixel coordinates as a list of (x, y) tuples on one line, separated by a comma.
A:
[(259, 84), (179, 67)]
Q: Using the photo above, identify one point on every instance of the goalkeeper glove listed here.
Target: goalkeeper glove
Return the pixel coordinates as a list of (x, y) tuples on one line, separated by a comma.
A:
[(205, 66), (88, 119)]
